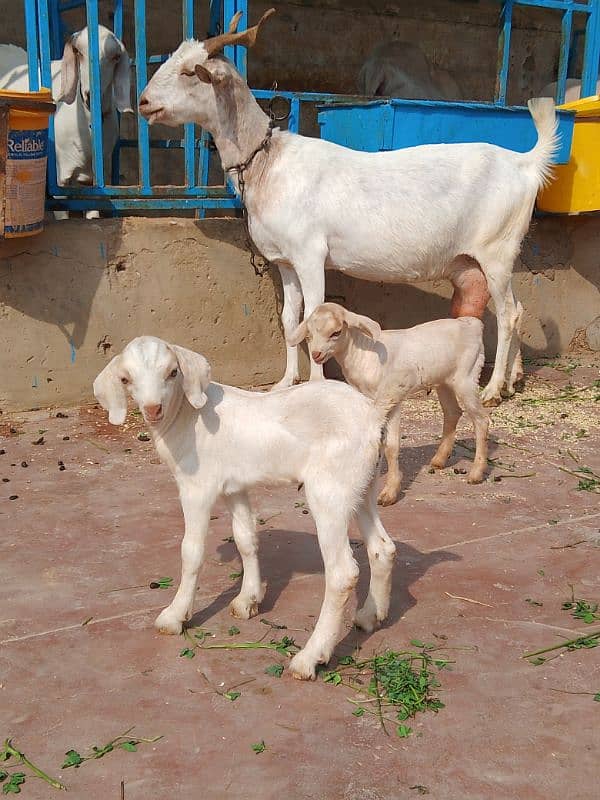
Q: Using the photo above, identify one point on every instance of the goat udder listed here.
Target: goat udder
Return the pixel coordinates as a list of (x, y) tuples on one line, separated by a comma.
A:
[(471, 293)]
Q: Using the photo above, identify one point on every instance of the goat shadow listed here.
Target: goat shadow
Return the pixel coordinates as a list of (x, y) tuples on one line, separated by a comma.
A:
[(285, 555)]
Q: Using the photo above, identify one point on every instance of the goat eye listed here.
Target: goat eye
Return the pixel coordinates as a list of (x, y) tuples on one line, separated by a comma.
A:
[(125, 380), (188, 74), (173, 373), (335, 335)]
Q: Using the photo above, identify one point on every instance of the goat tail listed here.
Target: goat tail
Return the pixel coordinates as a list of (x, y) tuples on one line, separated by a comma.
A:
[(543, 111)]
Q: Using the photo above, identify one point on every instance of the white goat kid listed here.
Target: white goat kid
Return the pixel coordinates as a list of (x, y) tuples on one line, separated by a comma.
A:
[(390, 366), (456, 211), (72, 121), (401, 69), (221, 441)]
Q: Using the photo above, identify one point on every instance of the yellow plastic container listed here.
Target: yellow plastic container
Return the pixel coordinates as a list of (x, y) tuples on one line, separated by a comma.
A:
[(24, 118), (576, 185)]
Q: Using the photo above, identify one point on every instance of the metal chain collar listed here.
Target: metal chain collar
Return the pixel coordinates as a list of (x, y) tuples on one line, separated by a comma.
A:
[(240, 169)]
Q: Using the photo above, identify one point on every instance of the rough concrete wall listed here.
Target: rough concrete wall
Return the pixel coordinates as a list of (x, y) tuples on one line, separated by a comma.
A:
[(73, 296)]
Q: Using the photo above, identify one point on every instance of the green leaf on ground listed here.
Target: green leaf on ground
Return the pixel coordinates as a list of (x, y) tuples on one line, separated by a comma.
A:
[(275, 670), (259, 747)]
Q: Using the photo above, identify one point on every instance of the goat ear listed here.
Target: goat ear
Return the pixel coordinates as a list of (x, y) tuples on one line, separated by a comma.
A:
[(364, 324), (216, 75), (297, 336), (69, 72), (109, 392), (122, 84), (203, 74), (196, 375)]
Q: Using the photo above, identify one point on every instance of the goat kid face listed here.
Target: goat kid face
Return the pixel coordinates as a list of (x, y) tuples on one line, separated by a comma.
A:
[(327, 330), (114, 70), (155, 375)]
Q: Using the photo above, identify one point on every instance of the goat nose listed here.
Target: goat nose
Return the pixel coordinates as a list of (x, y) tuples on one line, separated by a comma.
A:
[(143, 101), (316, 354), (153, 412)]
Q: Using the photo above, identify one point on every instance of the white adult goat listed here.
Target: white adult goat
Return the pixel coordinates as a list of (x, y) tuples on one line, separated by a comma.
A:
[(71, 86), (401, 69), (221, 441), (572, 89), (456, 211), (390, 366)]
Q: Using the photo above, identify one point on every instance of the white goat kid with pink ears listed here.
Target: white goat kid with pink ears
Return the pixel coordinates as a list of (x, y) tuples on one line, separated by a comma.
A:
[(454, 211), (220, 441), (390, 366)]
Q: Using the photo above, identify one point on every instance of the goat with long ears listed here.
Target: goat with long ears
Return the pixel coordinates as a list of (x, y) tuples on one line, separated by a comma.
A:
[(455, 211)]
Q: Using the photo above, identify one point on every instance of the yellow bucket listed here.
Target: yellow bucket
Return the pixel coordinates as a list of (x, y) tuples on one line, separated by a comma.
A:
[(576, 185), (24, 120)]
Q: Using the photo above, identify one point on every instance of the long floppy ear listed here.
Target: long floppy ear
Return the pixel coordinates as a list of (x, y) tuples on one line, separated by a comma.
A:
[(364, 324), (297, 336), (196, 374), (109, 392), (69, 72), (122, 82)]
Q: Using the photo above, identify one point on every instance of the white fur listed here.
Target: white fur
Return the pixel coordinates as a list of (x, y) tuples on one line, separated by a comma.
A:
[(71, 89), (572, 89), (401, 69), (403, 216), (222, 441), (390, 366)]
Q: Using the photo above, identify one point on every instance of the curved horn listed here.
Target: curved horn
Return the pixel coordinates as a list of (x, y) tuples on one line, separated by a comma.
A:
[(246, 38), (235, 21)]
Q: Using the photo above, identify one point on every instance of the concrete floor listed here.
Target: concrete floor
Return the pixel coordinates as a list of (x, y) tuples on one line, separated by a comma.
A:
[(80, 661)]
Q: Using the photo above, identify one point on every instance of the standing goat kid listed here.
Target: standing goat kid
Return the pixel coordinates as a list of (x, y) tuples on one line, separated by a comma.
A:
[(390, 366), (219, 441), (71, 85), (455, 211)]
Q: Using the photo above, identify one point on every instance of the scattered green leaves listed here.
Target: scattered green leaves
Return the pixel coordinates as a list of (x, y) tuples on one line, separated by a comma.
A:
[(275, 670), (187, 652), (235, 575), (580, 642), (164, 583), (231, 695), (13, 758), (583, 610), (597, 697), (233, 631), (259, 747), (123, 741), (401, 682)]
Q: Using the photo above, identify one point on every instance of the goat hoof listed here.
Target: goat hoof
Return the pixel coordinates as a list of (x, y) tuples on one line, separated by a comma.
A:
[(366, 620), (493, 402), (166, 623), (242, 608), (436, 464), (302, 668), (387, 497), (475, 477)]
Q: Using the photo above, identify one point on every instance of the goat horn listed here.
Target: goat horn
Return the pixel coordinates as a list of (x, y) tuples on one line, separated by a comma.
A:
[(246, 38), (235, 21)]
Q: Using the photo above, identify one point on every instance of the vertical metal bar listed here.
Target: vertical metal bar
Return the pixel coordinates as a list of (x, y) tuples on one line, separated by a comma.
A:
[(115, 164), (56, 42), (591, 56), (141, 77), (236, 54), (214, 24), (294, 118), (91, 7), (32, 44), (46, 80), (563, 64), (504, 51), (189, 131)]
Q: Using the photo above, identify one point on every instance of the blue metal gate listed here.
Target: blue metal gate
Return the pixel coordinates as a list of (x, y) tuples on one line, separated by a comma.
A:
[(45, 35)]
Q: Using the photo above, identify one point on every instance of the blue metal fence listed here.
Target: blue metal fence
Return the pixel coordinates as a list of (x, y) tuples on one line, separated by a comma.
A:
[(46, 31)]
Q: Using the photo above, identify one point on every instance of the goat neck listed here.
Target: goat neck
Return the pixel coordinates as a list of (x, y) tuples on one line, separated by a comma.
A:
[(241, 127), (362, 360)]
